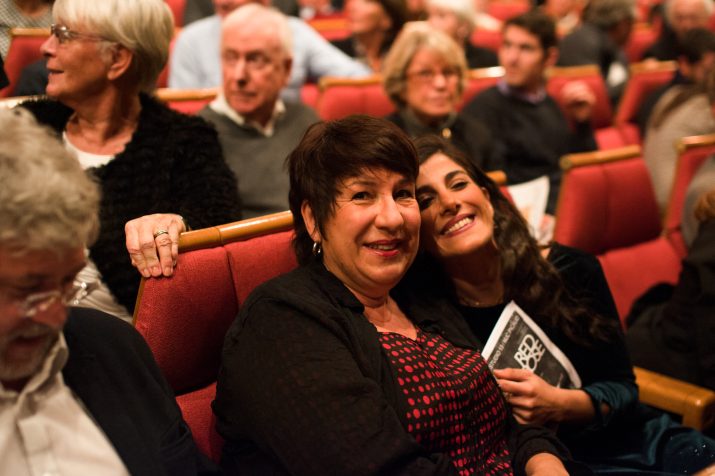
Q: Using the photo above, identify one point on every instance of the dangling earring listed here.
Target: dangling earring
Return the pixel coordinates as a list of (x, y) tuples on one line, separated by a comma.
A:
[(317, 249)]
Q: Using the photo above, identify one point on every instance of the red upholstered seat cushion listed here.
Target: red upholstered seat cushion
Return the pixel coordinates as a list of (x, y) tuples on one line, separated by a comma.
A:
[(608, 206), (184, 318), (196, 408), (633, 270)]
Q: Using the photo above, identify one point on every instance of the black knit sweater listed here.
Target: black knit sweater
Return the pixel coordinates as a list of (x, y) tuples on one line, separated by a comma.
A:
[(173, 164)]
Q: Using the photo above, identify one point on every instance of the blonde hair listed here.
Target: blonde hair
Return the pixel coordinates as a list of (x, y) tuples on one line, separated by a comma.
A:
[(145, 27), (414, 37), (47, 202)]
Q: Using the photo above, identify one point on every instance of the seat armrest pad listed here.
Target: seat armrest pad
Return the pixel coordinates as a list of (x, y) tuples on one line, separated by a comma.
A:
[(695, 404)]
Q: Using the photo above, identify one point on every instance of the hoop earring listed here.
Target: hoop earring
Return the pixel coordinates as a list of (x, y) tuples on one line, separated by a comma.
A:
[(317, 249)]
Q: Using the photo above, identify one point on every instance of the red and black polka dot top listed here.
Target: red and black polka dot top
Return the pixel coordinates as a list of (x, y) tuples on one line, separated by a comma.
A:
[(454, 404)]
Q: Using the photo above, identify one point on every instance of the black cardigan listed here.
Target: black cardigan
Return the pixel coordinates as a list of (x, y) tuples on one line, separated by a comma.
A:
[(173, 164), (305, 387), (122, 388)]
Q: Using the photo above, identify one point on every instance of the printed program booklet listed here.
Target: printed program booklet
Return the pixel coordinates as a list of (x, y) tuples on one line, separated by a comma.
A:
[(518, 342)]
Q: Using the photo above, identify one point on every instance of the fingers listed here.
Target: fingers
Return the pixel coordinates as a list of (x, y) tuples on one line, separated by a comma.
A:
[(512, 374), (153, 243)]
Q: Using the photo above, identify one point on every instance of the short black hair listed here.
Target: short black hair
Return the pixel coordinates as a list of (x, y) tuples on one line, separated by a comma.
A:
[(538, 24), (333, 151), (696, 43)]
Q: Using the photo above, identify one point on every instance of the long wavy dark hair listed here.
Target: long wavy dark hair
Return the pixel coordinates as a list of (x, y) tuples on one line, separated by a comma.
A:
[(528, 278)]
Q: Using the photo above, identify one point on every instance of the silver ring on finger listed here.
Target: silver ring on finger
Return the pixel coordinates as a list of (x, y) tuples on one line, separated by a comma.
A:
[(158, 233)]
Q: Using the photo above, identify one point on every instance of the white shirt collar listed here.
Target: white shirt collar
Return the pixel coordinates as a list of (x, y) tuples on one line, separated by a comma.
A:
[(221, 106)]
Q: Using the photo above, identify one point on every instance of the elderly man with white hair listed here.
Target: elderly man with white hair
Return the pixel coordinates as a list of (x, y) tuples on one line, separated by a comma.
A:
[(257, 129), (681, 16), (457, 18), (195, 60)]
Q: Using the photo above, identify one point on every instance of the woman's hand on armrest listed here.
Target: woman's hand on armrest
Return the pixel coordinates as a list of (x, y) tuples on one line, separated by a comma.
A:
[(153, 243)]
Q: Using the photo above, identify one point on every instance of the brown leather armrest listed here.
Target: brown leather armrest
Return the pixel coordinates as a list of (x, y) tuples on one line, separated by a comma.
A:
[(695, 404)]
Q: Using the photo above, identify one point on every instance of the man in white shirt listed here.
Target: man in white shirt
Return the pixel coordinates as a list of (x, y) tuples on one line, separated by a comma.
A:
[(195, 59), (256, 127), (80, 393)]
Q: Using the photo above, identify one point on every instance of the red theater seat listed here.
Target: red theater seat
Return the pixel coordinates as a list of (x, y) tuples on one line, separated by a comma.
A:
[(607, 207), (184, 318), (692, 152), (177, 10), (24, 49), (644, 79), (558, 77), (340, 97)]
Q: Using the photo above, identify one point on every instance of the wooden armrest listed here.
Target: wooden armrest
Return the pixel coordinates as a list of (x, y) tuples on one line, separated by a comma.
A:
[(695, 404)]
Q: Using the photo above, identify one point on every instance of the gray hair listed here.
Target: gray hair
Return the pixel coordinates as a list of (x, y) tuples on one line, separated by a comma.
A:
[(47, 202), (707, 5), (606, 14), (266, 17), (145, 27), (413, 37)]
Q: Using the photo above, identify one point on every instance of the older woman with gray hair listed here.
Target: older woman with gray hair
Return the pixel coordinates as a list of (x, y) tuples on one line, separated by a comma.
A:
[(103, 59), (425, 75)]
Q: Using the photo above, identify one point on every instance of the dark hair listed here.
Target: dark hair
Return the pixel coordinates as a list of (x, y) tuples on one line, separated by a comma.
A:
[(695, 44), (397, 11), (705, 87), (606, 14), (528, 278), (334, 151), (538, 24)]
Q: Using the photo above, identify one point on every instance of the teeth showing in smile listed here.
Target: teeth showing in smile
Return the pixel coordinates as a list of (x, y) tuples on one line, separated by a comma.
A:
[(460, 224), (383, 247)]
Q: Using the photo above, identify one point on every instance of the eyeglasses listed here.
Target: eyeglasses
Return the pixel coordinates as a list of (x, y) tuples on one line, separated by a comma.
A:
[(36, 303), (428, 75), (64, 34)]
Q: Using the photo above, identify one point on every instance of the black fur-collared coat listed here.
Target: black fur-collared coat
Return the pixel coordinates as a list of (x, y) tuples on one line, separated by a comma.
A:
[(173, 164)]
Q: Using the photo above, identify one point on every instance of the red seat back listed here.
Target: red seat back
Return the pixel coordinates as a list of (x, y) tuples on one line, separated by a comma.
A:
[(642, 36), (607, 207), (692, 152), (558, 77), (631, 271), (24, 49), (184, 318), (506, 9), (479, 80), (341, 97), (177, 9), (606, 201), (644, 79), (490, 39)]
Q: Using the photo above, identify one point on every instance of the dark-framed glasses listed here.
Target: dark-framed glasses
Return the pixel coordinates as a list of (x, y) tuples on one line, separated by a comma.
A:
[(64, 34), (36, 303)]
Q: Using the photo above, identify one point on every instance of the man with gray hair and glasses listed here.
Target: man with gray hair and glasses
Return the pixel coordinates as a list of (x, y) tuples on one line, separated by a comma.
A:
[(80, 392)]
